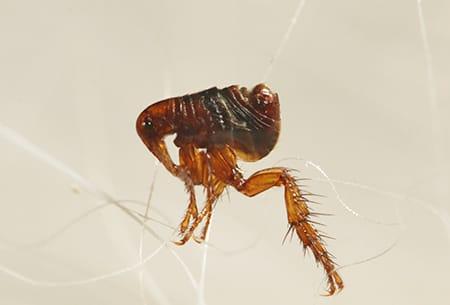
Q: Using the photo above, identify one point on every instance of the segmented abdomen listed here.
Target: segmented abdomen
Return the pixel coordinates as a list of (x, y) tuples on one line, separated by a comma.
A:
[(223, 117)]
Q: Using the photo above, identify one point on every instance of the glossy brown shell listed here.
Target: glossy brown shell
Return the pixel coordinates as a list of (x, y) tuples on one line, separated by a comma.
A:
[(214, 127), (230, 116)]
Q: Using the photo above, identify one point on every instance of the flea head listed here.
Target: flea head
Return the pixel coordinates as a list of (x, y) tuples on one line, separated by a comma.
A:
[(145, 125), (152, 125)]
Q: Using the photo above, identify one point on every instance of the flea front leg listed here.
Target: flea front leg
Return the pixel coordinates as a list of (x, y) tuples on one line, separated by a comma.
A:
[(192, 211), (214, 190), (194, 170), (299, 216)]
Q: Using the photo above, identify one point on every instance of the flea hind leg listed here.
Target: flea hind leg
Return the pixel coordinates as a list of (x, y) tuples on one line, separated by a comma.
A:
[(223, 165), (299, 216)]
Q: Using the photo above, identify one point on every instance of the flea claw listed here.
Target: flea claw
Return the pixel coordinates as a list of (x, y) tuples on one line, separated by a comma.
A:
[(184, 239), (199, 240), (180, 242)]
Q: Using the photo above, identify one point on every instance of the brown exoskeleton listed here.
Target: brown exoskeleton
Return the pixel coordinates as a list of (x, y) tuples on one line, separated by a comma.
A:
[(214, 128)]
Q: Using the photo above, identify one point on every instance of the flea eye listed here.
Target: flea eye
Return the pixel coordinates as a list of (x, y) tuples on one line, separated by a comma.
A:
[(147, 123)]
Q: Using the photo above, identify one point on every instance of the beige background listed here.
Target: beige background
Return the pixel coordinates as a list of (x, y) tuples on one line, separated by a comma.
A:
[(355, 96)]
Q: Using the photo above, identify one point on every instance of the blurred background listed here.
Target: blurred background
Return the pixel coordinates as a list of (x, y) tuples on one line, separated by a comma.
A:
[(364, 96)]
